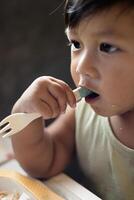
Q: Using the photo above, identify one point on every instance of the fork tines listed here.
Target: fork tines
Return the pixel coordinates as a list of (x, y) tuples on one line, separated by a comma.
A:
[(5, 128)]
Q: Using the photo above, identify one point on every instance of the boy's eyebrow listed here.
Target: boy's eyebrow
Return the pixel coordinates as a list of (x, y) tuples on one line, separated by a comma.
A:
[(68, 32), (101, 33), (109, 32)]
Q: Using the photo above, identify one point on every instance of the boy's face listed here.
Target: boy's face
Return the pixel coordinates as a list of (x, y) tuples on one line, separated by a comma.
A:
[(102, 59)]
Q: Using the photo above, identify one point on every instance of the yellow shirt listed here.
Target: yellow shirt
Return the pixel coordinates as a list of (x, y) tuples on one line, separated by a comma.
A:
[(106, 162)]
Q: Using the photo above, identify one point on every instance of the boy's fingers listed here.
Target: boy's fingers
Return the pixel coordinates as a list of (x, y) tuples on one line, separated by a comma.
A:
[(64, 95), (71, 98), (48, 105), (54, 95), (68, 91), (47, 111), (59, 94)]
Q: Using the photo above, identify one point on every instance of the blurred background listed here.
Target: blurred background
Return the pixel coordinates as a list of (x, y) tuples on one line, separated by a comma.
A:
[(32, 44)]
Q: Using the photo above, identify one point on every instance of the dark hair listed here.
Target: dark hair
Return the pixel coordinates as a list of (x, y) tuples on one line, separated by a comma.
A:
[(75, 10)]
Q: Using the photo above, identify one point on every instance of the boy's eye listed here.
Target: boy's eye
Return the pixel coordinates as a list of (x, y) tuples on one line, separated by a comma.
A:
[(75, 45), (108, 48)]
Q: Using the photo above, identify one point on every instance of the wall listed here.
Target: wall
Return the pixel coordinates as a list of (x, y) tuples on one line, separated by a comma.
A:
[(32, 44)]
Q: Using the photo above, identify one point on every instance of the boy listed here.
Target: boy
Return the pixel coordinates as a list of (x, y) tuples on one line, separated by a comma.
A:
[(99, 129)]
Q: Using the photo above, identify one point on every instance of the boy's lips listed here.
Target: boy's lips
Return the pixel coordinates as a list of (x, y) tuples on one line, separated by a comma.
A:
[(92, 96)]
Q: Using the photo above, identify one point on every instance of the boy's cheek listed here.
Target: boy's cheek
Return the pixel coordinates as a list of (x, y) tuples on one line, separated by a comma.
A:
[(75, 76)]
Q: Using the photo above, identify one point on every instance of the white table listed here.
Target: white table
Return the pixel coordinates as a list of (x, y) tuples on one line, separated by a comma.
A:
[(61, 184)]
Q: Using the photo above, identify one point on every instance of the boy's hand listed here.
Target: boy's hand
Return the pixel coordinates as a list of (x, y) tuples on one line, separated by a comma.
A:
[(46, 95)]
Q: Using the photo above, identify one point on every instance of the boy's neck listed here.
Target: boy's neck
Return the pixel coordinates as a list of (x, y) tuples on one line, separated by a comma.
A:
[(123, 128)]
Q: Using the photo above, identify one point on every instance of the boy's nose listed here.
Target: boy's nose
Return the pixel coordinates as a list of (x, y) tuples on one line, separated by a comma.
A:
[(86, 65)]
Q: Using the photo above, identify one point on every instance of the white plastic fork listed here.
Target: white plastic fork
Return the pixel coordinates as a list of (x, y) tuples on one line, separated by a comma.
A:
[(16, 122)]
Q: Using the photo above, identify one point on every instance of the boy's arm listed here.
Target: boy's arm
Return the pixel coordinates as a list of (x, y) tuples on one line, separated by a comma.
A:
[(44, 152)]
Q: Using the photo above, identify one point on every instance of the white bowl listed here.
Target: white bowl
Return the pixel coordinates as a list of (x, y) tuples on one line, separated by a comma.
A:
[(11, 186)]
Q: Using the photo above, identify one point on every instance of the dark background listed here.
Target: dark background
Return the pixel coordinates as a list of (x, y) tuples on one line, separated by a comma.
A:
[(32, 44)]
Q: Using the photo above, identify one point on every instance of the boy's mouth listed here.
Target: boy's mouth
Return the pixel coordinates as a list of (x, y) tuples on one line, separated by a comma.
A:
[(92, 95)]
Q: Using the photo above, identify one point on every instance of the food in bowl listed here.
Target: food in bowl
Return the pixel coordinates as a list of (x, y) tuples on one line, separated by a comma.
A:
[(13, 196), (9, 196)]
